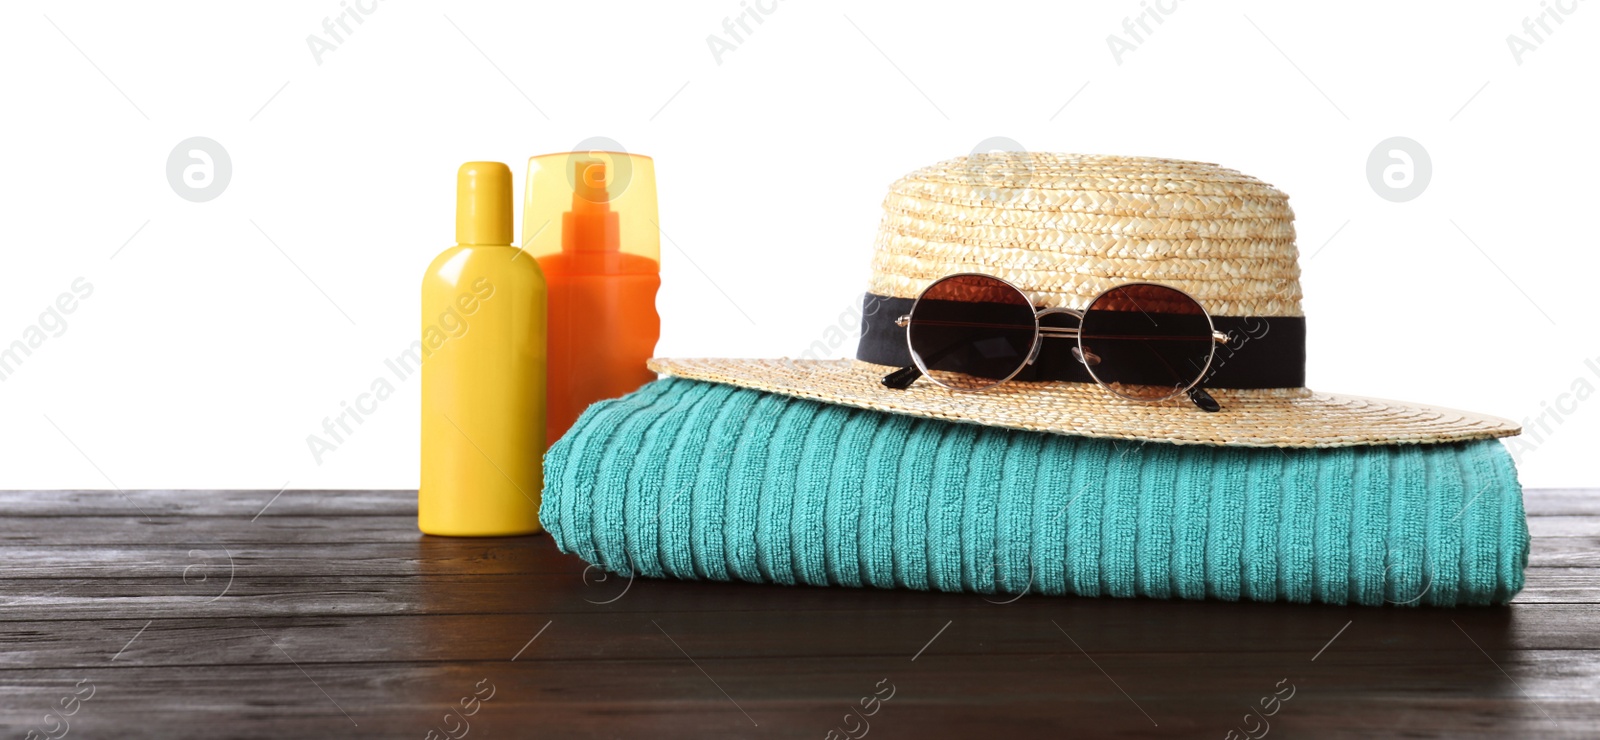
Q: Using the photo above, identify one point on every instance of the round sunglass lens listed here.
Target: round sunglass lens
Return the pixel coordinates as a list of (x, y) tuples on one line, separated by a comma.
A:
[(971, 332), (1146, 342)]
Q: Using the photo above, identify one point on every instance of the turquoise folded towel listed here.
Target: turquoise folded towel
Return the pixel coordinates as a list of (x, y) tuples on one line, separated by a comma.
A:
[(686, 479)]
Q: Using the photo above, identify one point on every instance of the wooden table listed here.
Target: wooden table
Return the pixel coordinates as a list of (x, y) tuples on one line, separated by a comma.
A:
[(325, 614)]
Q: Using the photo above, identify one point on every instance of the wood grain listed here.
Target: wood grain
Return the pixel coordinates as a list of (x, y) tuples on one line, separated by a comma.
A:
[(199, 614)]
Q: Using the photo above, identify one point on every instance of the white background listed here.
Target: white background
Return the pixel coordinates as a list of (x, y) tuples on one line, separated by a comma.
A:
[(207, 354)]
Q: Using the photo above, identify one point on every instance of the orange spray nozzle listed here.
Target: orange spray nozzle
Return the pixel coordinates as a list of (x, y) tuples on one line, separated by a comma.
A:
[(589, 182), (591, 225)]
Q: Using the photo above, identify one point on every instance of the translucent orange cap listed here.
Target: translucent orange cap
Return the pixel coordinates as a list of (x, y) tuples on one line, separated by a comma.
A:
[(592, 202)]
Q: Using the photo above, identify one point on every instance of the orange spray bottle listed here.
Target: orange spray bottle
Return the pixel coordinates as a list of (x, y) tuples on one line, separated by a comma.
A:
[(590, 221)]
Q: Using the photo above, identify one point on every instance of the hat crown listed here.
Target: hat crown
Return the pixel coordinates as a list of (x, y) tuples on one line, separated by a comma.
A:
[(1066, 227)]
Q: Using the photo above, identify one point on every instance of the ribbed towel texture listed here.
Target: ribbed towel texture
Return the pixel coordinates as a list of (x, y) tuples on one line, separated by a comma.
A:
[(687, 479)]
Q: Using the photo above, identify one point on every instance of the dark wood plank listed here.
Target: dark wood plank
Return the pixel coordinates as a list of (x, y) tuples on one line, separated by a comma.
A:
[(100, 531), (1565, 552), (1563, 526), (1060, 691), (1021, 629), (515, 575), (35, 547), (162, 597), (192, 503), (1539, 502), (421, 556), (1560, 585), (186, 623)]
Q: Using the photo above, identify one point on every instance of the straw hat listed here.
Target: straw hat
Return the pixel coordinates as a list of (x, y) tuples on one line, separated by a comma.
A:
[(1064, 228)]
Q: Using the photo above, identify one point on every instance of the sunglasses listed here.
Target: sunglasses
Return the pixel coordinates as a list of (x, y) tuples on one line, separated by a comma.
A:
[(1140, 341)]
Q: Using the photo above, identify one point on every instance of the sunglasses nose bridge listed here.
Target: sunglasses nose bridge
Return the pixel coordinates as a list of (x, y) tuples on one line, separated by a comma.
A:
[(1073, 312), (1058, 332), (1043, 332)]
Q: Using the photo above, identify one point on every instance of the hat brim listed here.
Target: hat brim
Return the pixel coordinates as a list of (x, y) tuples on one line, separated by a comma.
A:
[(1278, 417)]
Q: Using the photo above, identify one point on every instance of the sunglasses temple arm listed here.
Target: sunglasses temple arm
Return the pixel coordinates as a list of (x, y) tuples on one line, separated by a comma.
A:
[(903, 378), (1203, 400), (1199, 395)]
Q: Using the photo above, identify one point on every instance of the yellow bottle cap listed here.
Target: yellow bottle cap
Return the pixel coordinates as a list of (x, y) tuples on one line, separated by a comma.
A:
[(483, 204)]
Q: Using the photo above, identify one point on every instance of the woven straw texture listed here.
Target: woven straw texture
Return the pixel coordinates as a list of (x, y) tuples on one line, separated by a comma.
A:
[(1287, 417), (706, 481), (1064, 228)]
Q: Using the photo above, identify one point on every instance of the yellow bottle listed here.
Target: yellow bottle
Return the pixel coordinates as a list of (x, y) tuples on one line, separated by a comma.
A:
[(483, 371)]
